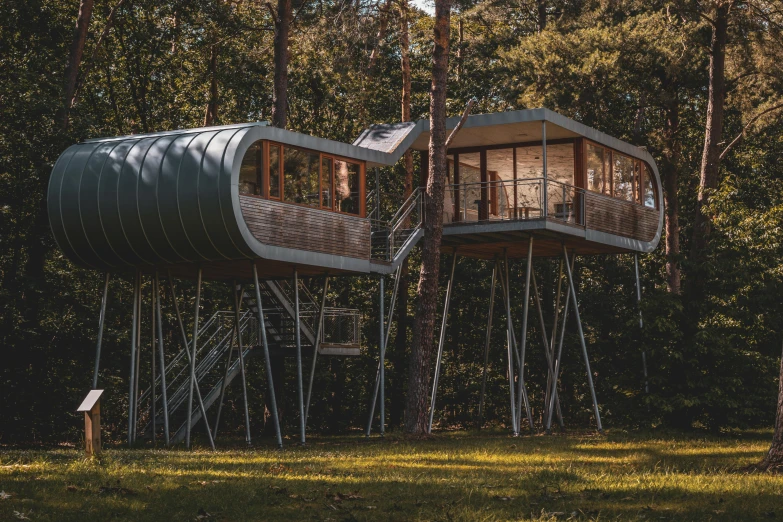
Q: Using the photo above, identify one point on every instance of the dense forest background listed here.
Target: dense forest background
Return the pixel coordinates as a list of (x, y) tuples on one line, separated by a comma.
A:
[(638, 70)]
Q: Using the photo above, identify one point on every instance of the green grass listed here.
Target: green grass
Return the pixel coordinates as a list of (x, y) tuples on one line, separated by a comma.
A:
[(455, 476)]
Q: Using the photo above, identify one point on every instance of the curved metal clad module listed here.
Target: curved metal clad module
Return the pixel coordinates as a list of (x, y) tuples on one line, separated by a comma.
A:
[(148, 200)]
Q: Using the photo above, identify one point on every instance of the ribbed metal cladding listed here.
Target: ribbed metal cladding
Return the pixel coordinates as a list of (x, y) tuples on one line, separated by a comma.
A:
[(151, 200)]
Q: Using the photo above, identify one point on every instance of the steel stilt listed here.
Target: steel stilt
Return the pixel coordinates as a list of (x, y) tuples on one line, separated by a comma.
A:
[(318, 336), (641, 321), (559, 357), (132, 376), (582, 341), (441, 341), (377, 386), (511, 347), (522, 390), (164, 396), (153, 412), (270, 382), (101, 321), (138, 364), (382, 356), (297, 336), (184, 338), (486, 344), (235, 330), (550, 387), (542, 327), (237, 303), (196, 310)]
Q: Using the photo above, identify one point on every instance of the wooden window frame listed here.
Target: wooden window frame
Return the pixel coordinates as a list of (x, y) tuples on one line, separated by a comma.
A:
[(266, 193)]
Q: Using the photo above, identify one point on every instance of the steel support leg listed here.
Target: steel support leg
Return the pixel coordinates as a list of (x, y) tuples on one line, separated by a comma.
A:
[(196, 310), (184, 338), (270, 382), (486, 344), (132, 376), (550, 387), (511, 346), (298, 337), (101, 321), (162, 359), (138, 364), (235, 330), (559, 356), (582, 341), (549, 362), (641, 321), (382, 356), (237, 303), (318, 335), (441, 341), (377, 388), (153, 411), (522, 390)]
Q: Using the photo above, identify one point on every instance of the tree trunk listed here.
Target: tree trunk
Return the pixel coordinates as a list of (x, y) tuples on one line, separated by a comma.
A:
[(774, 457), (427, 295), (282, 34), (710, 162), (383, 23), (212, 105), (671, 168), (75, 58), (541, 15), (401, 339)]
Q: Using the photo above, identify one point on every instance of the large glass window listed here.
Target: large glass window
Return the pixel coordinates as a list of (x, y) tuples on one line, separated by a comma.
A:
[(347, 178), (648, 191), (623, 177), (274, 171), (327, 174), (250, 178), (300, 176), (595, 168)]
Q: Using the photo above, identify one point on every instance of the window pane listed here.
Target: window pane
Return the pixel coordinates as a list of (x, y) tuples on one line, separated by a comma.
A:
[(623, 177), (637, 181), (648, 192), (250, 181), (274, 171), (346, 187), (300, 176), (326, 183), (595, 168)]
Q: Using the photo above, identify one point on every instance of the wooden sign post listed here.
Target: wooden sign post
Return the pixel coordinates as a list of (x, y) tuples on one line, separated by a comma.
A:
[(91, 406)]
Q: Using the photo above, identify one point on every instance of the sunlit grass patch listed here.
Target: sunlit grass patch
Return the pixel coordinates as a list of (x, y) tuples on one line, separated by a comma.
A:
[(454, 476)]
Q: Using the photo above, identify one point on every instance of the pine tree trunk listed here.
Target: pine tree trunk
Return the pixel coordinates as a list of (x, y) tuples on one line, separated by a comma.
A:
[(401, 338), (427, 295), (774, 457), (710, 163), (671, 165), (210, 115), (280, 94), (75, 58)]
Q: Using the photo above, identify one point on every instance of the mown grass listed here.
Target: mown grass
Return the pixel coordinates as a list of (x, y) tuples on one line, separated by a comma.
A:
[(455, 476)]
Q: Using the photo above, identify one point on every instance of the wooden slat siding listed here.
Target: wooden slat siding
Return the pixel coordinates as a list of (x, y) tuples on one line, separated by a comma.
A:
[(621, 218), (302, 228)]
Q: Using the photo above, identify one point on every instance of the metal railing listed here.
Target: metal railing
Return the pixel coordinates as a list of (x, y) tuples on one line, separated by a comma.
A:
[(508, 200), (389, 237)]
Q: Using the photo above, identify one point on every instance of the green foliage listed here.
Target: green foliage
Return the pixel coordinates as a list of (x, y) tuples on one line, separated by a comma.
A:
[(712, 361)]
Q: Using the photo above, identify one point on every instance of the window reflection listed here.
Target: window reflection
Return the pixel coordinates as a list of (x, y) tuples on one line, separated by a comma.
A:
[(327, 169), (346, 187), (274, 171), (595, 168), (623, 177), (648, 192), (300, 176), (250, 178)]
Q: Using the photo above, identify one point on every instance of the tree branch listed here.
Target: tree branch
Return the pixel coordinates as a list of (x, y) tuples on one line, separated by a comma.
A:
[(745, 128), (473, 101)]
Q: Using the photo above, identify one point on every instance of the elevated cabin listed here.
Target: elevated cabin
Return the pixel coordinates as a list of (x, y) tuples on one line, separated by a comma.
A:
[(220, 197)]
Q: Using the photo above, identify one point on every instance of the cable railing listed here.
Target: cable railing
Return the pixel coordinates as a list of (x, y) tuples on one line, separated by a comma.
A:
[(508, 200), (389, 237)]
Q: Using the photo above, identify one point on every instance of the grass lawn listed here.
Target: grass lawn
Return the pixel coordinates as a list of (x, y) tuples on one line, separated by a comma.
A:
[(453, 476)]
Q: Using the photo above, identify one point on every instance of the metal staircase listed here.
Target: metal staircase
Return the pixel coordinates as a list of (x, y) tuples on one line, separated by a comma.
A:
[(216, 337), (392, 240)]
